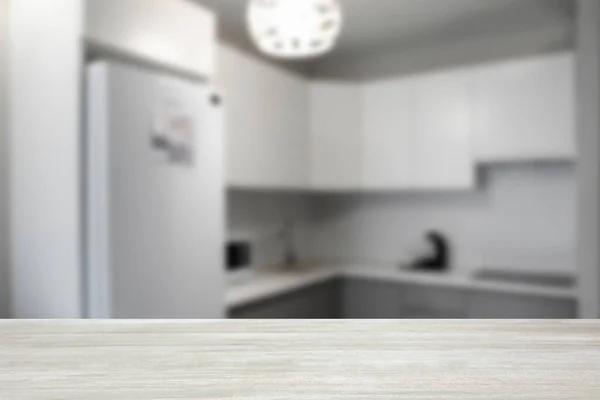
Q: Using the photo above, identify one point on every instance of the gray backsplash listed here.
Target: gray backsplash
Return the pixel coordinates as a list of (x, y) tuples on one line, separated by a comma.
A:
[(521, 216)]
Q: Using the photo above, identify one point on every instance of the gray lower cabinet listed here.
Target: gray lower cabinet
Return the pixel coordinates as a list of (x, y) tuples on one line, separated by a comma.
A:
[(321, 301), (364, 298), (358, 298), (512, 306), (419, 301)]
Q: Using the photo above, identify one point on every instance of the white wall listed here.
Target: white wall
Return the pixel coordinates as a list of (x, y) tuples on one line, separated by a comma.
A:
[(176, 34), (4, 196), (523, 216), (259, 217), (45, 74), (588, 96)]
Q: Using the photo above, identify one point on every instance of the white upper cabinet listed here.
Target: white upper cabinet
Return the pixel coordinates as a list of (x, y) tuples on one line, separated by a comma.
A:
[(417, 133), (266, 120), (424, 132), (387, 137), (335, 136), (441, 145), (176, 33), (524, 109)]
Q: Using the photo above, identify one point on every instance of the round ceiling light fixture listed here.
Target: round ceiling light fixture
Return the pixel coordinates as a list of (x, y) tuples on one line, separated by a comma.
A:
[(294, 28)]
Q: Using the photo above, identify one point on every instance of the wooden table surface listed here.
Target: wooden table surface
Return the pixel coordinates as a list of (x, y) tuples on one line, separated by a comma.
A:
[(317, 360)]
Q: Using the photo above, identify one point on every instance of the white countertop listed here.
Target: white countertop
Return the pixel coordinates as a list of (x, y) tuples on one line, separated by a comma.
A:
[(264, 284)]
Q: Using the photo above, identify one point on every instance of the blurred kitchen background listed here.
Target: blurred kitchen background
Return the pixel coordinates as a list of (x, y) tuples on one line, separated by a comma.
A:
[(312, 159)]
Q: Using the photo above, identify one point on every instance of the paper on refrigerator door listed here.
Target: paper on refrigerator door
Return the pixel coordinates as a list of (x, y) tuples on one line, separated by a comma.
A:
[(172, 136)]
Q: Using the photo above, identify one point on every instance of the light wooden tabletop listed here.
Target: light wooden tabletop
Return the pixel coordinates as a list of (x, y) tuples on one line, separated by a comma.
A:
[(321, 360)]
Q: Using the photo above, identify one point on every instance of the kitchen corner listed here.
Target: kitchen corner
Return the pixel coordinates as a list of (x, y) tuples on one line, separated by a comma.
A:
[(177, 137), (516, 300)]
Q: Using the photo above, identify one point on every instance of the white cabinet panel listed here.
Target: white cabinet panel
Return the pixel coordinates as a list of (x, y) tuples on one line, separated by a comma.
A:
[(176, 33), (267, 117), (524, 109), (441, 152), (388, 129), (415, 133), (335, 136)]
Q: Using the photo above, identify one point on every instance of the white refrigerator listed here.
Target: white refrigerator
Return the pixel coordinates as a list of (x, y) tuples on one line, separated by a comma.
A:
[(154, 195)]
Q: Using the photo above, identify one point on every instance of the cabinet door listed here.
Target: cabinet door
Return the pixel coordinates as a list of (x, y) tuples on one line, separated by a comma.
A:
[(370, 299), (266, 115), (442, 145), (321, 301), (524, 109), (374, 299), (500, 305), (387, 134), (430, 302), (335, 136)]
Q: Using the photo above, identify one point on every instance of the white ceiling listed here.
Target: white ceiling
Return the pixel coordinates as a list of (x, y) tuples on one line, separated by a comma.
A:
[(374, 25)]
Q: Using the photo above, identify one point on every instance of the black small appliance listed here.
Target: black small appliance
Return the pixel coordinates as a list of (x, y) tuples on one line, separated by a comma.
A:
[(238, 255), (439, 258)]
